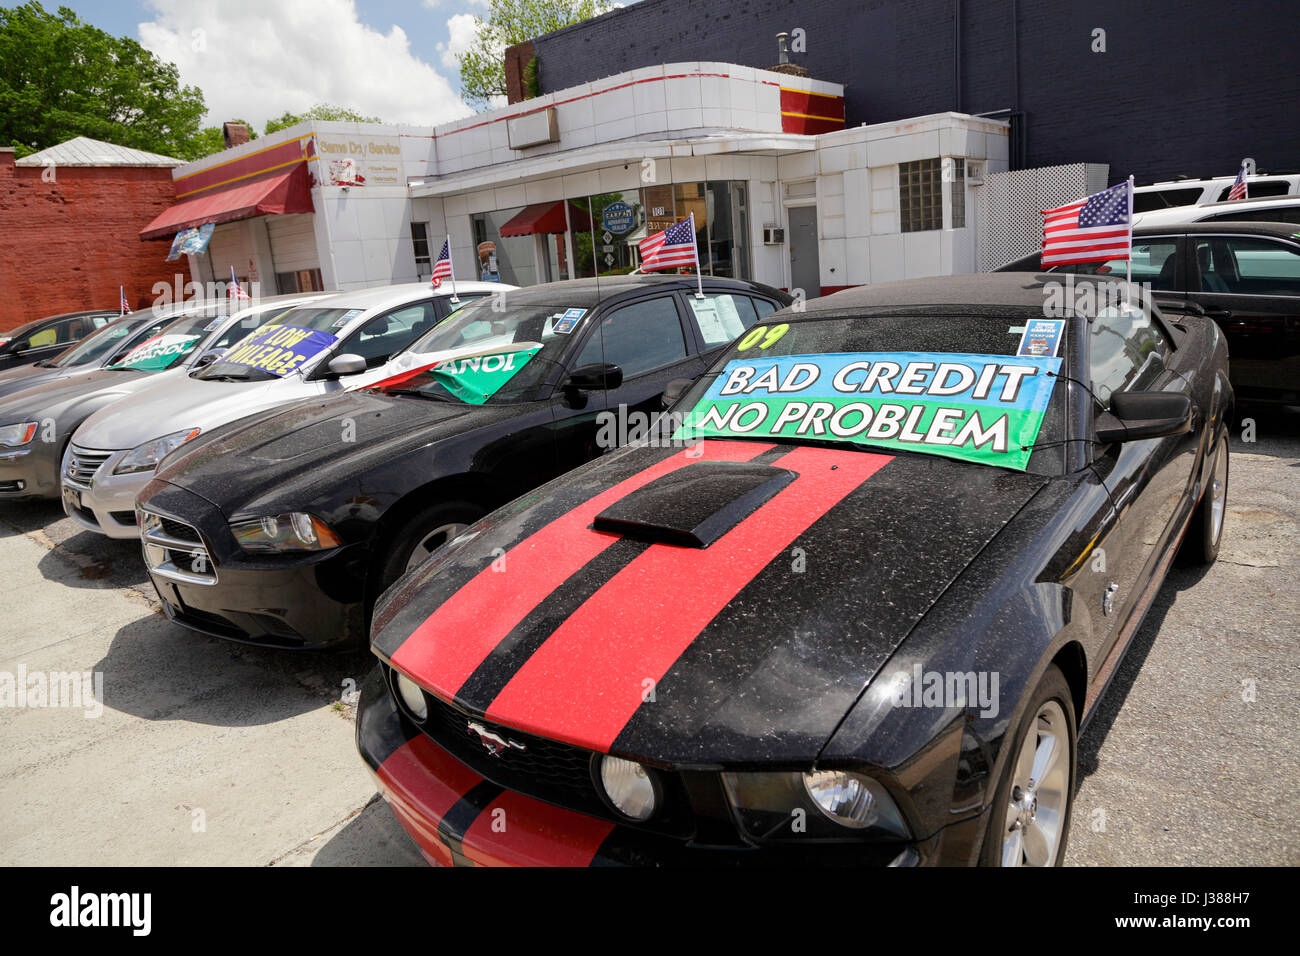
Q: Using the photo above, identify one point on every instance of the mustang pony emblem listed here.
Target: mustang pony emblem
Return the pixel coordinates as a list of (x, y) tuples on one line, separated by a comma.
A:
[(492, 743)]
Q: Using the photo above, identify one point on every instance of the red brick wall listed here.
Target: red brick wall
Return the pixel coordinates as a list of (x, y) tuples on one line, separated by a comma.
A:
[(68, 244)]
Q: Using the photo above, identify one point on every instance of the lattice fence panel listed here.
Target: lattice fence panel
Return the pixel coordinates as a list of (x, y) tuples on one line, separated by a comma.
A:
[(1011, 224)]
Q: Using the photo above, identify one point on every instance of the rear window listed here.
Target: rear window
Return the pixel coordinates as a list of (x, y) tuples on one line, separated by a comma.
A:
[(1164, 198)]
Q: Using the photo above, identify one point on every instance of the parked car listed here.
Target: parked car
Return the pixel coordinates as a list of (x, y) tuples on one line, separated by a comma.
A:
[(283, 529), (722, 646), (114, 452), (1196, 192), (45, 338), (1274, 209), (97, 350), (36, 424), (1245, 276)]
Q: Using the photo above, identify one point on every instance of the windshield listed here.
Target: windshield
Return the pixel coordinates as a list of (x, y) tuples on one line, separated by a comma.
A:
[(265, 353), (502, 356), (169, 347), (98, 344), (975, 388)]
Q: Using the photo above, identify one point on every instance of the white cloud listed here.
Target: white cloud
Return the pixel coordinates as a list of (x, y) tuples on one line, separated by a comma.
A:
[(460, 32), (254, 60)]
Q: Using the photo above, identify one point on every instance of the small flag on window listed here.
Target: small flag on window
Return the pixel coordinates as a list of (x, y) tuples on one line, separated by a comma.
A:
[(236, 290), (442, 265), (670, 248), (122, 307), (1094, 229), (1238, 190)]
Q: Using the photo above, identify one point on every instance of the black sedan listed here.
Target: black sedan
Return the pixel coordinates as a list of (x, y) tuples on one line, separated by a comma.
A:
[(1243, 275), (283, 528), (850, 603), (45, 338)]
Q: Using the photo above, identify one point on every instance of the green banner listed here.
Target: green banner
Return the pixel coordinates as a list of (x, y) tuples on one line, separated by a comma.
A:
[(982, 408), (476, 379)]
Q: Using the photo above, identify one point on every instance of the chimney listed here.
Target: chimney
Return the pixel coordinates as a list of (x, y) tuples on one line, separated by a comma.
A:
[(783, 64), (7, 154), (235, 134)]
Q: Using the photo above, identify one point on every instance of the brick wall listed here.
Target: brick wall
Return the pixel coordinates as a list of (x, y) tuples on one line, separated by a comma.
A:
[(1181, 88), (68, 244)]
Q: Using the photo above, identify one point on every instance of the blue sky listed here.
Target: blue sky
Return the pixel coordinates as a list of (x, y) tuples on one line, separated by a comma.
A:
[(254, 59)]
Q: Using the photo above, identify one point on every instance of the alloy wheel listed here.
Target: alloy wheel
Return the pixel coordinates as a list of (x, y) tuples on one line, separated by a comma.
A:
[(432, 541), (1035, 816)]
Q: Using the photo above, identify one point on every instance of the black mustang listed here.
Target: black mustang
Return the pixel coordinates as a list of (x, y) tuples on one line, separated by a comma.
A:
[(851, 602), (282, 528)]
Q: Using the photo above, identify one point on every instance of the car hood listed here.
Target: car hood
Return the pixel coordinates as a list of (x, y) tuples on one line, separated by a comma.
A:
[(73, 392), (23, 377), (183, 402), (726, 608), (288, 451)]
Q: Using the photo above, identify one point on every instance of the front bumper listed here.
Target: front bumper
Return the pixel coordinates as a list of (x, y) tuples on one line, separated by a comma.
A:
[(31, 471), (94, 497), (206, 582), (458, 812)]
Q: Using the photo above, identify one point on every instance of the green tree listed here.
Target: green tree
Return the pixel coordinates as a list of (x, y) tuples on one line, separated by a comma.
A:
[(60, 78), (482, 70), (321, 111)]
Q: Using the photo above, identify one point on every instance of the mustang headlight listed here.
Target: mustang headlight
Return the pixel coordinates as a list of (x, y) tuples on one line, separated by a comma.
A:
[(412, 696), (291, 532), (146, 457), (11, 436), (629, 787), (819, 804)]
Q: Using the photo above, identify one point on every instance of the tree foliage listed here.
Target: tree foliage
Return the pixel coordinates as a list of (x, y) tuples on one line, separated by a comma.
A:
[(482, 70), (60, 78), (321, 111)]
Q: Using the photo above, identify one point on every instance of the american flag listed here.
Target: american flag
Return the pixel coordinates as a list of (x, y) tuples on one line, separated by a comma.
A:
[(1094, 229), (442, 265), (122, 307), (1238, 190), (236, 291), (673, 247)]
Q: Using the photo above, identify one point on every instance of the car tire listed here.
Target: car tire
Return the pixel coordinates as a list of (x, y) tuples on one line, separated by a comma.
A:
[(1029, 821), (421, 534), (1205, 531)]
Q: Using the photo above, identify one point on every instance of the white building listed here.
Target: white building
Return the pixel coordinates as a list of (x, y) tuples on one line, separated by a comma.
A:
[(564, 185)]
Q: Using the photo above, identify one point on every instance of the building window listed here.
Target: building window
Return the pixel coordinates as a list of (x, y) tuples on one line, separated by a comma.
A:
[(957, 193), (420, 239), (302, 280), (920, 196)]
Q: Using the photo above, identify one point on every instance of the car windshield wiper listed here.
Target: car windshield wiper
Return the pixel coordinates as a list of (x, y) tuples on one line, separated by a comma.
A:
[(419, 393)]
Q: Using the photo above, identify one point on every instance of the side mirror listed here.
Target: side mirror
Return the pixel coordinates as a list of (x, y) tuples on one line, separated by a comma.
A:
[(1135, 416), (675, 390), (210, 356), (346, 364), (595, 377)]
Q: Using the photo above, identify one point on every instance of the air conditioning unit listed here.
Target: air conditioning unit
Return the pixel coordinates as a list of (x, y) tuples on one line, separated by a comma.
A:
[(772, 236), (974, 172)]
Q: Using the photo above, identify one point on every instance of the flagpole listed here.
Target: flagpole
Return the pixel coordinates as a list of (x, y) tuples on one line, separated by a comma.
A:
[(1128, 263), (452, 265), (699, 279)]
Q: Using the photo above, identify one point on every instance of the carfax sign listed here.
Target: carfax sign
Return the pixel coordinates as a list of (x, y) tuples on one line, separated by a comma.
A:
[(279, 349), (983, 408)]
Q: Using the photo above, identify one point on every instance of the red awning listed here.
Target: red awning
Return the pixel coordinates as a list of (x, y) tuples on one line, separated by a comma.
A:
[(544, 217), (282, 193)]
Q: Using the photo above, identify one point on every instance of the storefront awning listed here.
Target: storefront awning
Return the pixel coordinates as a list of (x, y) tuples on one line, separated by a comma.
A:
[(285, 192), (544, 217)]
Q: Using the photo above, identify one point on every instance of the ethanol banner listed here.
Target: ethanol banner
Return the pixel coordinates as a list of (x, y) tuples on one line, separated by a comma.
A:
[(474, 380), (983, 408), (160, 352), (279, 349)]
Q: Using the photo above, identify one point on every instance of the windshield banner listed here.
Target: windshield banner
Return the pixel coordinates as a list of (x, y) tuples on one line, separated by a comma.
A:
[(476, 379), (279, 349), (982, 408), (160, 352)]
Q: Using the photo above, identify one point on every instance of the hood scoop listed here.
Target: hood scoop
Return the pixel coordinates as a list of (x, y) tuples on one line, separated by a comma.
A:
[(696, 505)]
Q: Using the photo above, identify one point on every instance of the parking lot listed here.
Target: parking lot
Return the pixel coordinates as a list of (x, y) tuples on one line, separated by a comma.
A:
[(213, 753)]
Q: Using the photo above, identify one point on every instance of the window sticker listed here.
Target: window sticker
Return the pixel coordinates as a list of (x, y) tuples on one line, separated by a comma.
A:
[(980, 408), (159, 352), (346, 317), (279, 349), (565, 323), (717, 317), (1041, 337)]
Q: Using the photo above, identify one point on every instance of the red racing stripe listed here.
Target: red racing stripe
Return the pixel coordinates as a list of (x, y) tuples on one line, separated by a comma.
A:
[(528, 832), (445, 649), (585, 682), (421, 782)]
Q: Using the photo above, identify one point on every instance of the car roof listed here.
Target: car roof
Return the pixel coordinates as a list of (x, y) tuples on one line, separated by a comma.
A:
[(1282, 229), (384, 296), (1020, 292)]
